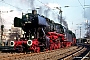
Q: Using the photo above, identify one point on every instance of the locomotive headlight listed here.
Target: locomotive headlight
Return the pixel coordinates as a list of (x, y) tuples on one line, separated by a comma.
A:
[(29, 21), (29, 42), (32, 37), (12, 43), (26, 22), (27, 16)]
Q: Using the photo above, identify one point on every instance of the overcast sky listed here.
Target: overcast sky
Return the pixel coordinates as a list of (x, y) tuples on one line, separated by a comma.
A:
[(74, 14)]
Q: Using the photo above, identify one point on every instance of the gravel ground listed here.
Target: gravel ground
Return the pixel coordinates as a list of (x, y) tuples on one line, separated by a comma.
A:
[(47, 55)]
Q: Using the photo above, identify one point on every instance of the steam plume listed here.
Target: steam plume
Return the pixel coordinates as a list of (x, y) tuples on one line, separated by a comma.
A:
[(63, 21), (30, 3), (46, 12), (40, 11)]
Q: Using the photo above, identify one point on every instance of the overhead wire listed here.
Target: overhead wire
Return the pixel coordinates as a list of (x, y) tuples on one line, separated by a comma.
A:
[(84, 8), (80, 4), (11, 5), (45, 4), (50, 8), (22, 9), (2, 1)]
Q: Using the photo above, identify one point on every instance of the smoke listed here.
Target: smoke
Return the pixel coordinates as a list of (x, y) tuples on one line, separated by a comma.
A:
[(46, 12), (63, 21), (58, 17), (40, 11), (49, 13), (54, 16), (23, 1), (30, 3), (2, 21)]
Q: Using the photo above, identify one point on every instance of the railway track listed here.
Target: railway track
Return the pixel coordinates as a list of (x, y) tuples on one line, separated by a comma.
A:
[(86, 57), (58, 54), (86, 54), (73, 55), (82, 54)]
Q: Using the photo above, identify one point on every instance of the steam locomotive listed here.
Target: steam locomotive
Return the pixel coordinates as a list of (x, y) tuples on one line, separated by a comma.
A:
[(41, 34)]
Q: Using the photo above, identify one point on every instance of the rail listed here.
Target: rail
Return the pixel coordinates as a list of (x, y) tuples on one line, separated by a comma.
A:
[(52, 55), (86, 56), (72, 55)]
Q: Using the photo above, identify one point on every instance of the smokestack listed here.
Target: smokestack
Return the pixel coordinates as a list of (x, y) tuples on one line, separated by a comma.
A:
[(34, 12)]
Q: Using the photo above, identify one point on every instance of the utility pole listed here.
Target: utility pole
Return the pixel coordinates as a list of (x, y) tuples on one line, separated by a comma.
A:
[(1, 28), (87, 28), (60, 12), (80, 34), (75, 31)]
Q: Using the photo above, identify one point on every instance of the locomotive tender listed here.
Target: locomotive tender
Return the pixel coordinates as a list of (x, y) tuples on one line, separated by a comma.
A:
[(41, 34)]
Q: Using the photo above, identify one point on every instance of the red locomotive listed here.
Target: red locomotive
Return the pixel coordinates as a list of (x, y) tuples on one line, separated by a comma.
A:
[(41, 34)]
